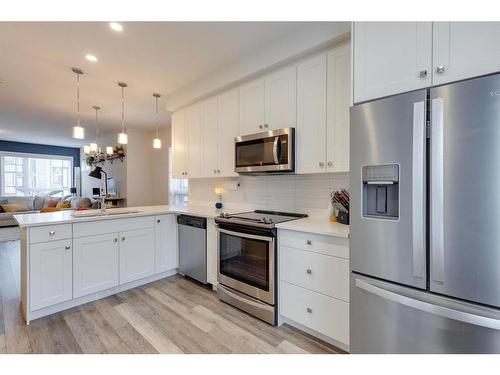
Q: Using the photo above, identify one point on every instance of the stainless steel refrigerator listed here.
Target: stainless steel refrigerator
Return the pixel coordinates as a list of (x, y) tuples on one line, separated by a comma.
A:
[(425, 221)]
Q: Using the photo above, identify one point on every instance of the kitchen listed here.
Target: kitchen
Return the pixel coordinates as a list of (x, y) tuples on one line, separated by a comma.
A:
[(325, 206)]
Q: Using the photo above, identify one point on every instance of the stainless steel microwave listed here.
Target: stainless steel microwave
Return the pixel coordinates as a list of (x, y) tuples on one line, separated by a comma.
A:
[(267, 152)]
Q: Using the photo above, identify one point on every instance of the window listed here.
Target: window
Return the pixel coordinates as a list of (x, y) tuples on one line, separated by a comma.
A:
[(28, 174), (178, 188)]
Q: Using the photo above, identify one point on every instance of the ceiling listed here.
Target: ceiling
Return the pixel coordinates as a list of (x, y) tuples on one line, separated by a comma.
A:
[(38, 88)]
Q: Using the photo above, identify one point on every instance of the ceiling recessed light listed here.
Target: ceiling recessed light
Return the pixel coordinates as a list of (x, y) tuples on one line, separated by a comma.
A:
[(91, 58), (116, 26)]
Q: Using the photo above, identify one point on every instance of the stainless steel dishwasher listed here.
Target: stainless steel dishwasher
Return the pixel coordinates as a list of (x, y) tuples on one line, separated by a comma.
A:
[(193, 247)]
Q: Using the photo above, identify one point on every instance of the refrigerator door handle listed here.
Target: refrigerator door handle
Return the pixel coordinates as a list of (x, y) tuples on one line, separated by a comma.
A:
[(437, 176), (418, 190), (430, 308)]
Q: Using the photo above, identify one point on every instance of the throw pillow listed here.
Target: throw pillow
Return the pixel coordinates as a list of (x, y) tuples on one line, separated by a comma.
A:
[(15, 207), (3, 201), (63, 205), (53, 202), (49, 209)]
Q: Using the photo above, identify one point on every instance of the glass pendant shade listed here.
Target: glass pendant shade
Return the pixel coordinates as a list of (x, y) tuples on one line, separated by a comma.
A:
[(157, 143), (122, 138), (86, 149), (93, 147), (78, 132), (109, 150)]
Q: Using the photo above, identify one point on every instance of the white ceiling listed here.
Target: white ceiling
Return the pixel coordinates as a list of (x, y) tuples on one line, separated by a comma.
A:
[(37, 96)]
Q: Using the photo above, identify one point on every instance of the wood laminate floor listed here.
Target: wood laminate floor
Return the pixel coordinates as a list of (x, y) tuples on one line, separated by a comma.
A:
[(173, 315)]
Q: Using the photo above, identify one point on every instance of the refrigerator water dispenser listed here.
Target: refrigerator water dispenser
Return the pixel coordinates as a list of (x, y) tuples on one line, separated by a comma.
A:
[(381, 191)]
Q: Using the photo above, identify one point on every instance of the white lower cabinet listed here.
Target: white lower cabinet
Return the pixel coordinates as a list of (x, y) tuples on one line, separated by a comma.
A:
[(314, 284), (95, 264), (166, 256), (51, 273), (137, 254), (326, 315)]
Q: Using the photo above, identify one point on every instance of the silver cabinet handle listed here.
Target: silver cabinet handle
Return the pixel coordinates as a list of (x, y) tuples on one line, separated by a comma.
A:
[(309, 310), (309, 271), (261, 127), (215, 170), (437, 187), (67, 247), (115, 239), (309, 242), (330, 164), (418, 189), (422, 74), (440, 69), (123, 238), (266, 126), (443, 311), (158, 220), (218, 170), (321, 164), (51, 233)]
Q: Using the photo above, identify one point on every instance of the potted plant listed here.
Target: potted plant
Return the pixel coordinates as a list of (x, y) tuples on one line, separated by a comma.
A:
[(119, 150), (89, 160)]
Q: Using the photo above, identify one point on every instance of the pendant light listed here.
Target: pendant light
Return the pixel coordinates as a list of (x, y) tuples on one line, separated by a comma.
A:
[(122, 137), (78, 130), (157, 140), (94, 146)]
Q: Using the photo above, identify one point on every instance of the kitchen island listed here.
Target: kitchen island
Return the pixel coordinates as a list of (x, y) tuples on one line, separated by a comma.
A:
[(70, 258)]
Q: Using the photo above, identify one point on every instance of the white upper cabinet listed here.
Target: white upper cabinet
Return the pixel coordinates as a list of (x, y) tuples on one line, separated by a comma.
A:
[(228, 129), (311, 115), (281, 99), (465, 49), (390, 58), (338, 89), (210, 144), (252, 104), (194, 141), (179, 144)]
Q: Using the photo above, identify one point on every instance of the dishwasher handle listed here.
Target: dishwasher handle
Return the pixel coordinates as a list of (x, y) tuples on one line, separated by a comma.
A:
[(192, 221)]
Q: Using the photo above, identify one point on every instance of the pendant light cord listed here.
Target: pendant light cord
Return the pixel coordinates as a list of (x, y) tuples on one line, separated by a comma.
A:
[(78, 96), (157, 117), (96, 127), (123, 111)]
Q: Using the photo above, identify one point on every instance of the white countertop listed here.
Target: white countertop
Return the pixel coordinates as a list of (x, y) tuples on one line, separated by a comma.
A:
[(66, 216), (316, 225)]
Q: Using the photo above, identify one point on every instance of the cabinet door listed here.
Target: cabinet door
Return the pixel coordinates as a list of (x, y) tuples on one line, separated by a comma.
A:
[(311, 115), (210, 144), (281, 99), (391, 58), (228, 130), (179, 144), (166, 253), (337, 115), (465, 49), (194, 141), (95, 263), (51, 273), (137, 254), (252, 106)]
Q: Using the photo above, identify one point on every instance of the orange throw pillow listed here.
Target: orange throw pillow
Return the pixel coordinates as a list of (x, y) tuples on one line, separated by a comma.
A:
[(49, 209), (15, 207)]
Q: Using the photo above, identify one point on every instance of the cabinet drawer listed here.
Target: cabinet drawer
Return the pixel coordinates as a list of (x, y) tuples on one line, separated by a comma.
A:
[(91, 228), (333, 246), (317, 272), (50, 233), (326, 315)]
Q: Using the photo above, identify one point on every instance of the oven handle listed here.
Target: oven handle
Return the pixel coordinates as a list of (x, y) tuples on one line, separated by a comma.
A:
[(275, 150), (245, 235)]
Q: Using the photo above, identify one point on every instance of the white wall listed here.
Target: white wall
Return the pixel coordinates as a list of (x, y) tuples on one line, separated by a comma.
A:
[(160, 168), (291, 47), (308, 194)]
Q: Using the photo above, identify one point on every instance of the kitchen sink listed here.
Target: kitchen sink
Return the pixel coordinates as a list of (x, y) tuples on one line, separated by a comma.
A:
[(99, 213)]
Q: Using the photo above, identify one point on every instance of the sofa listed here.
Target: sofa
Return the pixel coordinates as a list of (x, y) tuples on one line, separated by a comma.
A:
[(37, 203)]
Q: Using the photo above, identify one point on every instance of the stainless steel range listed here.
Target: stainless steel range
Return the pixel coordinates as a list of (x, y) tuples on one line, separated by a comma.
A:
[(247, 264)]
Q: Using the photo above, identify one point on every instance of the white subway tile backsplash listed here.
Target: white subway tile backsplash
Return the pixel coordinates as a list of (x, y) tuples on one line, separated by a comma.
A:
[(291, 193)]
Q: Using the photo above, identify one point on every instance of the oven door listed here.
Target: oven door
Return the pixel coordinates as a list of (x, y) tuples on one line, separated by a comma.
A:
[(270, 151), (246, 263)]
